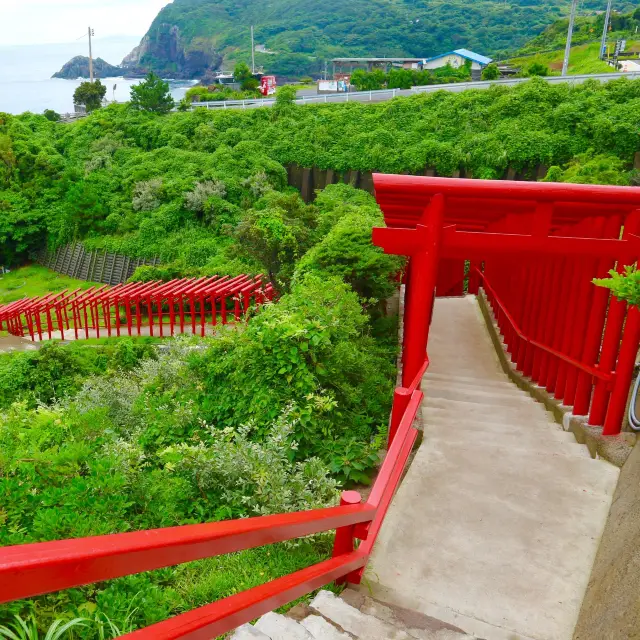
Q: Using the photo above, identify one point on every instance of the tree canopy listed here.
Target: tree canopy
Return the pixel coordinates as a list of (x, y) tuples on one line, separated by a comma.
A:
[(153, 94), (90, 95)]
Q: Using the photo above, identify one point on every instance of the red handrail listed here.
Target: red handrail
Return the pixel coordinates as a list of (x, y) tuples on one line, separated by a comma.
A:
[(606, 377), (35, 569)]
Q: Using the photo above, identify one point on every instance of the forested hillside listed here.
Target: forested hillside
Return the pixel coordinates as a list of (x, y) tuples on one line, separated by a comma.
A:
[(587, 29), (190, 37)]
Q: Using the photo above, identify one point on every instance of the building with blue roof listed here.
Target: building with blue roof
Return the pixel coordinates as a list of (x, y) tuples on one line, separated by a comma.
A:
[(457, 59)]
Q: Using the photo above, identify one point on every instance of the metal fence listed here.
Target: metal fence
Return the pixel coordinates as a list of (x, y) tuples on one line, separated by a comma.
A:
[(95, 266), (388, 94), (355, 96)]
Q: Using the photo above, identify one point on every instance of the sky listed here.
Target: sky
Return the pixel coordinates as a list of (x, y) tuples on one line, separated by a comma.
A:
[(51, 21)]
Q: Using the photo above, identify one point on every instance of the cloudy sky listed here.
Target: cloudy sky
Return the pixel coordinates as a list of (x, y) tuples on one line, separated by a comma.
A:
[(48, 21)]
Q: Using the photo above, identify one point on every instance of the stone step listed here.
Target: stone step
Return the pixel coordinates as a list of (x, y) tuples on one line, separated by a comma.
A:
[(336, 619), (514, 443), (533, 422), (505, 398), (279, 627), (494, 429), (471, 381), (319, 628), (471, 409), (355, 622), (374, 621), (248, 632)]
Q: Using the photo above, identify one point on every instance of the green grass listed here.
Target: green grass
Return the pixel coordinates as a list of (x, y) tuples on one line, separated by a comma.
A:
[(206, 581), (33, 281), (584, 59)]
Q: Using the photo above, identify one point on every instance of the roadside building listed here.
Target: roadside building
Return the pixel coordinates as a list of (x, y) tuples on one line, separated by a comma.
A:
[(457, 59)]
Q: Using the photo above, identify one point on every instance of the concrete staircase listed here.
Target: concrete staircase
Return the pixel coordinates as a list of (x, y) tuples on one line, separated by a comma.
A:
[(348, 617), (496, 525)]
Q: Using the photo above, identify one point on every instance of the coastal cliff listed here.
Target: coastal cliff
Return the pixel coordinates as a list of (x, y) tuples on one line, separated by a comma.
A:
[(167, 53)]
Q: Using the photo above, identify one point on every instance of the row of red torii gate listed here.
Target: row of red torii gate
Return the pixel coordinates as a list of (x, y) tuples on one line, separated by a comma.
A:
[(192, 305)]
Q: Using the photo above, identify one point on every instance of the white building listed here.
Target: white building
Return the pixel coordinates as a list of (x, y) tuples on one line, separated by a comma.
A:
[(457, 59)]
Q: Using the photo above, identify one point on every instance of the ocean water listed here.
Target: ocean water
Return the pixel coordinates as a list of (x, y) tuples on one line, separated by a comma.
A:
[(26, 83)]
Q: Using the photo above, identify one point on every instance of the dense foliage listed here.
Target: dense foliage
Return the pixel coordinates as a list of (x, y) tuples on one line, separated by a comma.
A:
[(407, 78), (305, 33), (624, 286), (198, 188)]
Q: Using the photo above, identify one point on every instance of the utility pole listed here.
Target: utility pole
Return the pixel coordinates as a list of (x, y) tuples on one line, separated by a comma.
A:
[(91, 33), (567, 53), (605, 32), (253, 53)]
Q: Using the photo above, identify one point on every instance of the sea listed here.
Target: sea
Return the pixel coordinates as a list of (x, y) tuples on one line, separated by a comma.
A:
[(26, 83)]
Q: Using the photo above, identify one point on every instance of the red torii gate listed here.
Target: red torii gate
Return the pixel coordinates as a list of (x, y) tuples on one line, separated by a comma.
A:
[(536, 247)]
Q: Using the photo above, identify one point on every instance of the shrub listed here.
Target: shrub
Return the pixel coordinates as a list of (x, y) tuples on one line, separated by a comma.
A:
[(147, 195), (347, 252), (491, 72)]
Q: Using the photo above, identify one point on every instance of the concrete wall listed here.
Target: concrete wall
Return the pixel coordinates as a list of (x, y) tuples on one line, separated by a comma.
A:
[(309, 180), (611, 607)]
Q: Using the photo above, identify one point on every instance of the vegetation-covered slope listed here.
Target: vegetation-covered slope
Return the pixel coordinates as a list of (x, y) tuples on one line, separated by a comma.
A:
[(263, 419), (189, 37), (587, 29), (548, 47)]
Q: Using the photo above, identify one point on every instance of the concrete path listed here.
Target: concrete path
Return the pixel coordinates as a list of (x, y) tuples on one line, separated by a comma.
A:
[(496, 526)]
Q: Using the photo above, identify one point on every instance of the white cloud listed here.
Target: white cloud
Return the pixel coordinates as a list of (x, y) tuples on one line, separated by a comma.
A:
[(47, 21)]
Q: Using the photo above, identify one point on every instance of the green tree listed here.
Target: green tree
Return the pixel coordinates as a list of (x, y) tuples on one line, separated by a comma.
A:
[(90, 95), (286, 95), (51, 115), (250, 85), (491, 72), (537, 69), (152, 95), (242, 73)]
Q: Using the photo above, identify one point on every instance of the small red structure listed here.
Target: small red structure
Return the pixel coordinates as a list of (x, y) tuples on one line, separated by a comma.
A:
[(268, 85)]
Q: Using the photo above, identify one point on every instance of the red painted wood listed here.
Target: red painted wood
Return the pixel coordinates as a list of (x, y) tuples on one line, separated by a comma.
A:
[(35, 569)]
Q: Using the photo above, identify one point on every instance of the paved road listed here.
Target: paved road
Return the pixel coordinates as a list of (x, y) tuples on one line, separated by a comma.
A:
[(309, 96)]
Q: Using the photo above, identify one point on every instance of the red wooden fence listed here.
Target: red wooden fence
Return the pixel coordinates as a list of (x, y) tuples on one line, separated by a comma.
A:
[(151, 308)]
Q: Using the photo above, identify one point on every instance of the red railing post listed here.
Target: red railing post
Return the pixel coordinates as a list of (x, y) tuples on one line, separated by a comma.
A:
[(344, 540), (401, 399), (624, 374), (421, 289)]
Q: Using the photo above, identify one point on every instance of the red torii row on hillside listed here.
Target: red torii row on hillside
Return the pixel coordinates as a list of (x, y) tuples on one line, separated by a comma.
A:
[(139, 308), (535, 249)]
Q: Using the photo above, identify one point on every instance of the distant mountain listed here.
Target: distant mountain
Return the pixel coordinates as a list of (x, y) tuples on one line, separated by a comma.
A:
[(190, 38), (78, 67)]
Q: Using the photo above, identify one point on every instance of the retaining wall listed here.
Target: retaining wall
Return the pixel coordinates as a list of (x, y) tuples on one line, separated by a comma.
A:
[(95, 266), (309, 180)]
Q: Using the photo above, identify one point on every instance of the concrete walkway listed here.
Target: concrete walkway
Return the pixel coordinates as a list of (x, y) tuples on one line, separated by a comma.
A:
[(496, 526)]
